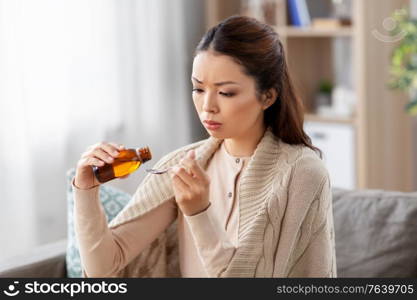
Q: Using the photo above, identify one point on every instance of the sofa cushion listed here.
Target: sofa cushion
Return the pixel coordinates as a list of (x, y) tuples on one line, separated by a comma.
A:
[(112, 199), (375, 233)]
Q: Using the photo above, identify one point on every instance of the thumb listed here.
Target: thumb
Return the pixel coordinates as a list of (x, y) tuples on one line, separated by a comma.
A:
[(191, 154)]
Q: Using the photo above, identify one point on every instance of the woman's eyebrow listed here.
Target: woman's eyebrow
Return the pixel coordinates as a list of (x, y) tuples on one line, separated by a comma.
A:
[(218, 83)]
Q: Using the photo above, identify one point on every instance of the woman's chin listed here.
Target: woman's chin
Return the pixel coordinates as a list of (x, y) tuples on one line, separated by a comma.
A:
[(215, 134)]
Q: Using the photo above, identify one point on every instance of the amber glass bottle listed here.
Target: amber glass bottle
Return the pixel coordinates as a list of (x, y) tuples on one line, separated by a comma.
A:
[(127, 162)]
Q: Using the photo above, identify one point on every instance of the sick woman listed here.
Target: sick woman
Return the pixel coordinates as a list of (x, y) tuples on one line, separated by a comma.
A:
[(251, 200)]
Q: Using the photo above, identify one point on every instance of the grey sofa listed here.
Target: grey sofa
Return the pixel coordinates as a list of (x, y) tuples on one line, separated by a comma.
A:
[(375, 232), (44, 261)]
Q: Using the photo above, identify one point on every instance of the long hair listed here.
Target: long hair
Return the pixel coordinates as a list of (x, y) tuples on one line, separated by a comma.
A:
[(257, 47)]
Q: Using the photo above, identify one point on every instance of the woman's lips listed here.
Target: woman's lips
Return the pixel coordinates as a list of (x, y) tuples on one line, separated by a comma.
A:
[(212, 125)]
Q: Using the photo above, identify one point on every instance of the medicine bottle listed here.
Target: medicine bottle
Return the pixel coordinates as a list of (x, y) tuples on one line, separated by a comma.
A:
[(127, 162)]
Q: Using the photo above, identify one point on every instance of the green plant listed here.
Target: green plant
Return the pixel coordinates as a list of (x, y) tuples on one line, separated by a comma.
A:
[(404, 57), (325, 87)]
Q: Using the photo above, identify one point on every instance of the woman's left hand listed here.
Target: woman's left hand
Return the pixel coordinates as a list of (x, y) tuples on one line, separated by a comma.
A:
[(191, 185)]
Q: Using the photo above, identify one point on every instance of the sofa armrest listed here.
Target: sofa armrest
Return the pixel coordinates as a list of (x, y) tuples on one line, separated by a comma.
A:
[(43, 261)]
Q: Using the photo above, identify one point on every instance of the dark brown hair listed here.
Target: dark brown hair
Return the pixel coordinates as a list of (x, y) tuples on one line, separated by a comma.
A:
[(256, 46)]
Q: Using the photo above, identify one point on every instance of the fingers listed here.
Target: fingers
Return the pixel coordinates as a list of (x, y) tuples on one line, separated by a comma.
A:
[(90, 161), (179, 184), (93, 161), (104, 156), (189, 191), (191, 154), (102, 152), (194, 168), (107, 147), (111, 148), (190, 183), (117, 146), (96, 155), (184, 176)]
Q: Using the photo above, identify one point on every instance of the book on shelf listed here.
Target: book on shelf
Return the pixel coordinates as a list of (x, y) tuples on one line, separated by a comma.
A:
[(298, 12), (316, 13)]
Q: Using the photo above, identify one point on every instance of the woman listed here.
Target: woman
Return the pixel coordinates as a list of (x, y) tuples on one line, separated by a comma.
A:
[(252, 200)]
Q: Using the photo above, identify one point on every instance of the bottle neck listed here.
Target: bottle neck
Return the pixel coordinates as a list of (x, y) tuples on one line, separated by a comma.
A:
[(144, 154)]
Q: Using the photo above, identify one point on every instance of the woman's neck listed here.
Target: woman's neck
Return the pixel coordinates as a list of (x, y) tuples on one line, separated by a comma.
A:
[(245, 145)]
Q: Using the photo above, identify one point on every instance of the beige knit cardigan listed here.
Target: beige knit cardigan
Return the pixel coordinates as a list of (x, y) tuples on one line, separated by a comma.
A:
[(285, 215)]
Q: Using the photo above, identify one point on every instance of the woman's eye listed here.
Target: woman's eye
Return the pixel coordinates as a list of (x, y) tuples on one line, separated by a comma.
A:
[(197, 90), (227, 94)]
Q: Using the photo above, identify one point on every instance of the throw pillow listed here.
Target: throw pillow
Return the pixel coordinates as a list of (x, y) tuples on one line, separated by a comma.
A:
[(375, 233)]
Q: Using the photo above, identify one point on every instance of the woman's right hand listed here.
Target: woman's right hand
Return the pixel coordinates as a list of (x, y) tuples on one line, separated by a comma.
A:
[(95, 155)]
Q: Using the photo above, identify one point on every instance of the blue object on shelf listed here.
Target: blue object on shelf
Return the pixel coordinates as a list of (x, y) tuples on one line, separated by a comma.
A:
[(299, 14), (294, 13), (302, 8)]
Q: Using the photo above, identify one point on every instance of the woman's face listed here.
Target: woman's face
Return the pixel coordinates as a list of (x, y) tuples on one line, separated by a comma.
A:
[(225, 97)]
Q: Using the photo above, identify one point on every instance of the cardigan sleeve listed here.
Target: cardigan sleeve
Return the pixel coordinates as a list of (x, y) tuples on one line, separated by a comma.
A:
[(214, 248), (105, 251), (316, 246)]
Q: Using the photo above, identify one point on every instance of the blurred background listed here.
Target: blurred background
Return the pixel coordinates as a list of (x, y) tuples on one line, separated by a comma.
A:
[(74, 73)]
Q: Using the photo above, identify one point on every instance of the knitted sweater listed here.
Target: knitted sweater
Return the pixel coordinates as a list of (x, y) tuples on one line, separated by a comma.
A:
[(285, 215)]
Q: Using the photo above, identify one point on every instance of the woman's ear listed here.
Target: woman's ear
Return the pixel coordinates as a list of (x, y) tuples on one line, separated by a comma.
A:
[(269, 97)]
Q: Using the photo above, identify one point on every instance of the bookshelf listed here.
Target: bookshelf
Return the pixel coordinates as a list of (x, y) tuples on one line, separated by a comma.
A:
[(325, 119), (291, 31), (376, 136)]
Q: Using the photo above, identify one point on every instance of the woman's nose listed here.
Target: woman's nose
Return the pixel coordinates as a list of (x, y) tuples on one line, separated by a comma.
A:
[(209, 104)]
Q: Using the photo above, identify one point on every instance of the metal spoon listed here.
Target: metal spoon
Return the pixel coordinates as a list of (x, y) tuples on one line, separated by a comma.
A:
[(162, 171), (158, 171)]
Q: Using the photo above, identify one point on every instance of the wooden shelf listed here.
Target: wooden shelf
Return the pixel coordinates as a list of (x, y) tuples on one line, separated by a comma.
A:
[(326, 119), (310, 32)]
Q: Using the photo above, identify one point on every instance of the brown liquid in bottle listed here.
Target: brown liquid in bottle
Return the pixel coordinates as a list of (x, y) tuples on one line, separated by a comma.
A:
[(127, 162)]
